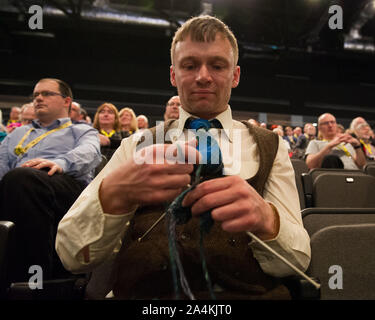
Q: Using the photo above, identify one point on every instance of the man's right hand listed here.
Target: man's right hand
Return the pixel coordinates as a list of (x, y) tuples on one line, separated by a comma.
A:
[(134, 184), (343, 138)]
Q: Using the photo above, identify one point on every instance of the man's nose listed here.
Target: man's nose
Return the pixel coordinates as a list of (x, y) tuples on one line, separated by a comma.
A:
[(204, 75)]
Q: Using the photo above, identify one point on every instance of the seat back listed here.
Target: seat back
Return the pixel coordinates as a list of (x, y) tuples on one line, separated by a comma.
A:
[(343, 259), (7, 229), (369, 168), (101, 165), (335, 188), (299, 167), (315, 219)]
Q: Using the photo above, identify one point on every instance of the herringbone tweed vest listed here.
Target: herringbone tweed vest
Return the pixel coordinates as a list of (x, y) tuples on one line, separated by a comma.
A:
[(142, 269)]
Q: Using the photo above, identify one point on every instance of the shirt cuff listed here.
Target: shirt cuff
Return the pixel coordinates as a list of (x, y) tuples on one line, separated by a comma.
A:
[(284, 244)]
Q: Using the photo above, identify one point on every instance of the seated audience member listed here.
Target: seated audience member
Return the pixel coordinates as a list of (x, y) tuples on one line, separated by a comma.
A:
[(172, 110), (27, 114), (355, 123), (75, 112), (44, 166), (304, 139), (363, 133), (297, 132), (142, 122), (128, 121), (14, 119), (289, 137), (14, 115), (107, 122), (335, 150), (280, 133), (260, 196), (254, 122), (3, 132), (84, 116), (340, 128)]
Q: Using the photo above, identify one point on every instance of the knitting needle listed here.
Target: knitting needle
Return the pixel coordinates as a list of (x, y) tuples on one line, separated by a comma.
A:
[(155, 224), (152, 227), (314, 283)]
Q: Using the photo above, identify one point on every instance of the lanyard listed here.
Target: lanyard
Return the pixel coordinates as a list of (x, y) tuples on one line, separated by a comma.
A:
[(342, 147), (20, 150), (367, 146), (108, 134)]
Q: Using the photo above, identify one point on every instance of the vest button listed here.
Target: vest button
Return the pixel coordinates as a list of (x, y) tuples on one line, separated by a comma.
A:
[(232, 242), (184, 236)]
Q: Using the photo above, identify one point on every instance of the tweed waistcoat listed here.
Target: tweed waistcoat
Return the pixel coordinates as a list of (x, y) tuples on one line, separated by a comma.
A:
[(142, 269)]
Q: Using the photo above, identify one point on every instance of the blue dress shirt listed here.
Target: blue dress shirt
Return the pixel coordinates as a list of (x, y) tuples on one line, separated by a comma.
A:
[(76, 149)]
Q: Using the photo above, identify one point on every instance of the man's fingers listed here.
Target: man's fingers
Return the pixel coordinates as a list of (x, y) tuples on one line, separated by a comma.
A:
[(181, 153), (204, 188)]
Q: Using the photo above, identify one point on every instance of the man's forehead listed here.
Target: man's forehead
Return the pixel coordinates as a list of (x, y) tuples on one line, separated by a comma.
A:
[(327, 117), (49, 84), (219, 47), (174, 100)]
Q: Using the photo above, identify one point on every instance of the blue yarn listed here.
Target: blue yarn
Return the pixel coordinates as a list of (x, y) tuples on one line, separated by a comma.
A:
[(176, 214)]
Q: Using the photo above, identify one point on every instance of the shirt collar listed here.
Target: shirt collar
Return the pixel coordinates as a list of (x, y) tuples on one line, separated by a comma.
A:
[(225, 119), (36, 123)]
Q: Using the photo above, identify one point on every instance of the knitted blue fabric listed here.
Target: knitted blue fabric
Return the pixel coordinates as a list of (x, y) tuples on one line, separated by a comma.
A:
[(211, 164)]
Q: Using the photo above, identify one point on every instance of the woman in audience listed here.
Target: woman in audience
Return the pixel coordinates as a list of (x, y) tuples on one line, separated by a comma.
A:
[(363, 133), (128, 121), (107, 122)]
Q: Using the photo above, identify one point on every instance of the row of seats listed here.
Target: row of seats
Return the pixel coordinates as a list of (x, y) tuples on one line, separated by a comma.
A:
[(338, 212), (335, 188)]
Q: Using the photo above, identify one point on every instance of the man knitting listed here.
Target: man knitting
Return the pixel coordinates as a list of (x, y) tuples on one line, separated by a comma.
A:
[(120, 205)]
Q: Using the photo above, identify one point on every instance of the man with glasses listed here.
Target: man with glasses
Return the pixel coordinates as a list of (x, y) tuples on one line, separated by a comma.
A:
[(172, 108), (334, 150), (44, 166)]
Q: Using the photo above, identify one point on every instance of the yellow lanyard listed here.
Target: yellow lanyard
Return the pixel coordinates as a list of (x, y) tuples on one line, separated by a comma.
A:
[(19, 150), (366, 145), (108, 134)]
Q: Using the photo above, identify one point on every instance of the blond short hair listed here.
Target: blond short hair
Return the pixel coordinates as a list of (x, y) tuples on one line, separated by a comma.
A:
[(204, 29)]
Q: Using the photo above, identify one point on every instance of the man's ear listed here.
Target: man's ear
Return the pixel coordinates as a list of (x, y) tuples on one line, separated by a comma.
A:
[(172, 76), (68, 101), (236, 76)]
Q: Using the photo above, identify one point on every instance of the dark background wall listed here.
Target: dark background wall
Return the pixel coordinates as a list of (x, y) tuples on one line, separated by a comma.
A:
[(291, 62)]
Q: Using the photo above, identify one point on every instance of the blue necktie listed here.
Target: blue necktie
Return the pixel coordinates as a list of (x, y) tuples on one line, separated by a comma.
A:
[(208, 147)]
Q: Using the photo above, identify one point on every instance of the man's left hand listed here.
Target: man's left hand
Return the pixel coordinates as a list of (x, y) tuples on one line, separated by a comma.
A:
[(236, 205), (40, 163)]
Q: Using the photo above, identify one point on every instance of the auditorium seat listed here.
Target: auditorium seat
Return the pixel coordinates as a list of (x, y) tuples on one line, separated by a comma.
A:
[(7, 229), (315, 219), (338, 188), (369, 168), (299, 167), (335, 246), (343, 259)]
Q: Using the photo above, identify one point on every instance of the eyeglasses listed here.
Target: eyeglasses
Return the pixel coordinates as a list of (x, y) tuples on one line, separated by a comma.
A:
[(328, 122), (46, 94)]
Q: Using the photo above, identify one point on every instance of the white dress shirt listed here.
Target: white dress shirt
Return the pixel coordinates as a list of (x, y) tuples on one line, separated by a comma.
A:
[(86, 224)]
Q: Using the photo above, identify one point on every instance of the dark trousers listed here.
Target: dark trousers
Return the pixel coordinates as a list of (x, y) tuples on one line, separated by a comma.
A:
[(332, 161), (36, 202)]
